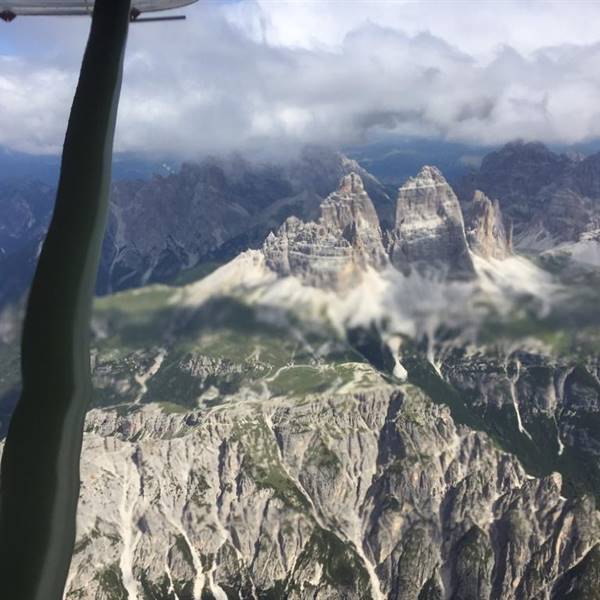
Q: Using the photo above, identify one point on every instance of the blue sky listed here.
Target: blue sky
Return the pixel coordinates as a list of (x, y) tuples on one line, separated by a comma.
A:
[(274, 74)]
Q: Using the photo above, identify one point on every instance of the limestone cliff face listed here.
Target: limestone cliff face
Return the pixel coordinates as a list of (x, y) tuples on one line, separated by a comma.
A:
[(485, 229), (333, 252), (25, 208), (429, 232), (350, 206), (428, 236)]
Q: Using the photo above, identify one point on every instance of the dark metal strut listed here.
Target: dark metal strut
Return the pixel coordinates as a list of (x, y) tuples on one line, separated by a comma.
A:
[(39, 479)]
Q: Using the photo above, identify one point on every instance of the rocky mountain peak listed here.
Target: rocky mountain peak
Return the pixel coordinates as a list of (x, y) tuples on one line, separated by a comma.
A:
[(429, 231), (351, 184), (587, 176), (519, 170), (321, 170), (428, 176), (485, 229), (430, 235), (549, 198), (334, 251), (350, 206)]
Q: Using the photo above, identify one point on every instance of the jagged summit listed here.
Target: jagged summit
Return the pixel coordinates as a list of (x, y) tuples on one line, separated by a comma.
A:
[(550, 198), (351, 184), (335, 251), (429, 230), (349, 206), (516, 173), (486, 232), (429, 235), (428, 176)]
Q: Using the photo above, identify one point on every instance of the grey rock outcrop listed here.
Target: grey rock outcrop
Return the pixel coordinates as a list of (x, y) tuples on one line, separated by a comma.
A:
[(334, 251), (485, 229), (550, 198), (519, 170), (25, 209), (429, 232), (429, 236), (586, 173)]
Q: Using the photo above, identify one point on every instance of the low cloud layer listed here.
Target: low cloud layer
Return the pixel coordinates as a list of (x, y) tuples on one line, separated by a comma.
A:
[(242, 77)]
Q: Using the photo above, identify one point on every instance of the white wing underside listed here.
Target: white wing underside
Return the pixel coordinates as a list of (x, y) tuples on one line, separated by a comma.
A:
[(80, 7)]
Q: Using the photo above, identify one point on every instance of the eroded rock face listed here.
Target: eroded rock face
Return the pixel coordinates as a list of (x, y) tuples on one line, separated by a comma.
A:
[(519, 170), (335, 251), (587, 175), (25, 208), (428, 237), (429, 231), (349, 206), (373, 495), (550, 198), (485, 229)]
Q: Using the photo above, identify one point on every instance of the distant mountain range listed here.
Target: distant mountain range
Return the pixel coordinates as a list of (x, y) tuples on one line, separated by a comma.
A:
[(168, 228), (163, 226)]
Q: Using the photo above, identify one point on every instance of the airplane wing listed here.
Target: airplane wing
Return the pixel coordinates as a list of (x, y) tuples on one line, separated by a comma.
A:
[(79, 7)]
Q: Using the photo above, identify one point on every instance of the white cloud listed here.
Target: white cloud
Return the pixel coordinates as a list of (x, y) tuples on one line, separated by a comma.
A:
[(259, 75), (479, 27)]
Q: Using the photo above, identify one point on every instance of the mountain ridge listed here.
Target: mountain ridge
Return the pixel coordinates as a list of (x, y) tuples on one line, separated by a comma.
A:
[(232, 205)]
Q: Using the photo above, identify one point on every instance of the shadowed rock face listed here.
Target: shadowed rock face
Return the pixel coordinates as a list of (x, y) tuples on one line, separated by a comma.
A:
[(429, 231), (550, 198), (521, 169), (586, 172), (25, 209), (485, 229)]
